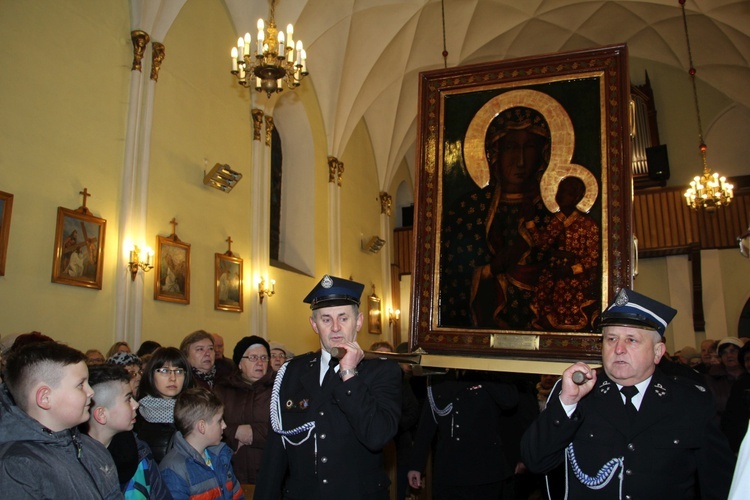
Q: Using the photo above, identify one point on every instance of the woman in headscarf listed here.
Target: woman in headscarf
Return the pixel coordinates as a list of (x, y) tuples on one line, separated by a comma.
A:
[(246, 395)]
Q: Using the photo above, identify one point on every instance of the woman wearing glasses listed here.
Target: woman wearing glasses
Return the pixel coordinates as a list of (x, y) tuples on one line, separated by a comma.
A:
[(247, 398), (166, 375)]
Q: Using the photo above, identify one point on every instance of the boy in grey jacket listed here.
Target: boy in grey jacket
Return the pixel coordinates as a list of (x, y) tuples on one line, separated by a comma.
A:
[(42, 455)]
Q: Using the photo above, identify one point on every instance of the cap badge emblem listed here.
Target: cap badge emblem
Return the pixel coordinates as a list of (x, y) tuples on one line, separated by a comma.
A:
[(622, 298), (660, 390), (326, 282)]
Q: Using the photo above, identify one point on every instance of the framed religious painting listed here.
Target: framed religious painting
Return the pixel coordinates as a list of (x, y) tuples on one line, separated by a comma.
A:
[(6, 208), (374, 317), (228, 282), (523, 215), (79, 248), (172, 278)]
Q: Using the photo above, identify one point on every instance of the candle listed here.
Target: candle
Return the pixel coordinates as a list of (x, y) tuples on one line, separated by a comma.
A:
[(247, 44), (299, 53), (234, 59)]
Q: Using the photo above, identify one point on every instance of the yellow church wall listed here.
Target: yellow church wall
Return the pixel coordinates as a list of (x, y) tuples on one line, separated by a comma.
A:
[(360, 220), (201, 117), (63, 96), (287, 315)]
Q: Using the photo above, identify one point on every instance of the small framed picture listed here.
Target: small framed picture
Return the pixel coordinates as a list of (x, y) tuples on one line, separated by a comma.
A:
[(228, 283), (172, 278), (6, 207), (79, 248), (374, 319)]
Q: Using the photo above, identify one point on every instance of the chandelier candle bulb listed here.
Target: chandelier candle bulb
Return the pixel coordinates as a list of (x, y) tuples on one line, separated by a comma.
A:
[(281, 44), (234, 60), (247, 44)]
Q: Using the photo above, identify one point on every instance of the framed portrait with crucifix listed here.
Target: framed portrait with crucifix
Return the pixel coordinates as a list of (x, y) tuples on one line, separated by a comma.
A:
[(79, 247), (228, 281), (172, 277), (523, 228)]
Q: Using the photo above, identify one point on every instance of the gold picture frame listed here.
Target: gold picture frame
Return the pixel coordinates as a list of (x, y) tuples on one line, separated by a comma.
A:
[(6, 208), (228, 282), (172, 277), (374, 315), (483, 241), (78, 258)]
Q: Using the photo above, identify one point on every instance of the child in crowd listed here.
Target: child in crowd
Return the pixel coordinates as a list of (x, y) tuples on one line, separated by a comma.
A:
[(166, 375), (199, 465), (111, 423), (132, 364), (42, 454)]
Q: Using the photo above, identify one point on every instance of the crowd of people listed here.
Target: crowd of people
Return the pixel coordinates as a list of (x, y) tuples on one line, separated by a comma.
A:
[(189, 422)]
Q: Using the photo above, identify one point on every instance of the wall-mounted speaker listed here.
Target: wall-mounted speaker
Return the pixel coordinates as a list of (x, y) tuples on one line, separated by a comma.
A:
[(658, 162)]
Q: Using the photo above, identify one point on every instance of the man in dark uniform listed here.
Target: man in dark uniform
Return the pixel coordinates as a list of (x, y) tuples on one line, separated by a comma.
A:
[(331, 418), (465, 409), (617, 442)]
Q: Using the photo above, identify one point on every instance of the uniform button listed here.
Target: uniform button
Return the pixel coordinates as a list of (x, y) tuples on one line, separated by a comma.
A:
[(456, 412), (457, 426), (676, 441), (322, 436), (349, 393), (324, 460), (628, 472), (591, 435), (458, 439), (631, 447), (628, 497), (321, 413), (556, 422), (325, 481)]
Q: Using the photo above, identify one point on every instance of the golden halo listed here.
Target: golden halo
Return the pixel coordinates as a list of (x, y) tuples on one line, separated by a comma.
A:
[(562, 140)]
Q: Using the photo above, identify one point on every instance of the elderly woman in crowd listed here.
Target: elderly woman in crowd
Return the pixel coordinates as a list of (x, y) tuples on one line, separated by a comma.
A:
[(247, 397)]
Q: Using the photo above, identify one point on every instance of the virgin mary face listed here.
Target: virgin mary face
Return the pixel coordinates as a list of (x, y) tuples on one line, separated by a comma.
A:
[(520, 156)]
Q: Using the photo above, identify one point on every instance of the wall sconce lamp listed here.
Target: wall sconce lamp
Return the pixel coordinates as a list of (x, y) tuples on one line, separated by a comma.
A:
[(222, 177), (265, 292), (393, 315), (373, 245), (137, 261)]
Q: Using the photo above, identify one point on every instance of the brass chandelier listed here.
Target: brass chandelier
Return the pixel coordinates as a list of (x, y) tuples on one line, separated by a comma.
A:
[(710, 190), (275, 59)]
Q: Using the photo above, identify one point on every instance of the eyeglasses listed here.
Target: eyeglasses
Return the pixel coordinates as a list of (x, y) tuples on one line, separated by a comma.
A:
[(254, 357), (166, 371), (278, 356)]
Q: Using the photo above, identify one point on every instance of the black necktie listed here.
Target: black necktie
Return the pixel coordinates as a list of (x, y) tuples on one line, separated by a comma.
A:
[(629, 392), (331, 371)]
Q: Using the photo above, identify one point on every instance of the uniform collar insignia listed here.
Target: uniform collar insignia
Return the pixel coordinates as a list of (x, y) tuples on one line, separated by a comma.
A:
[(660, 390), (605, 387)]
